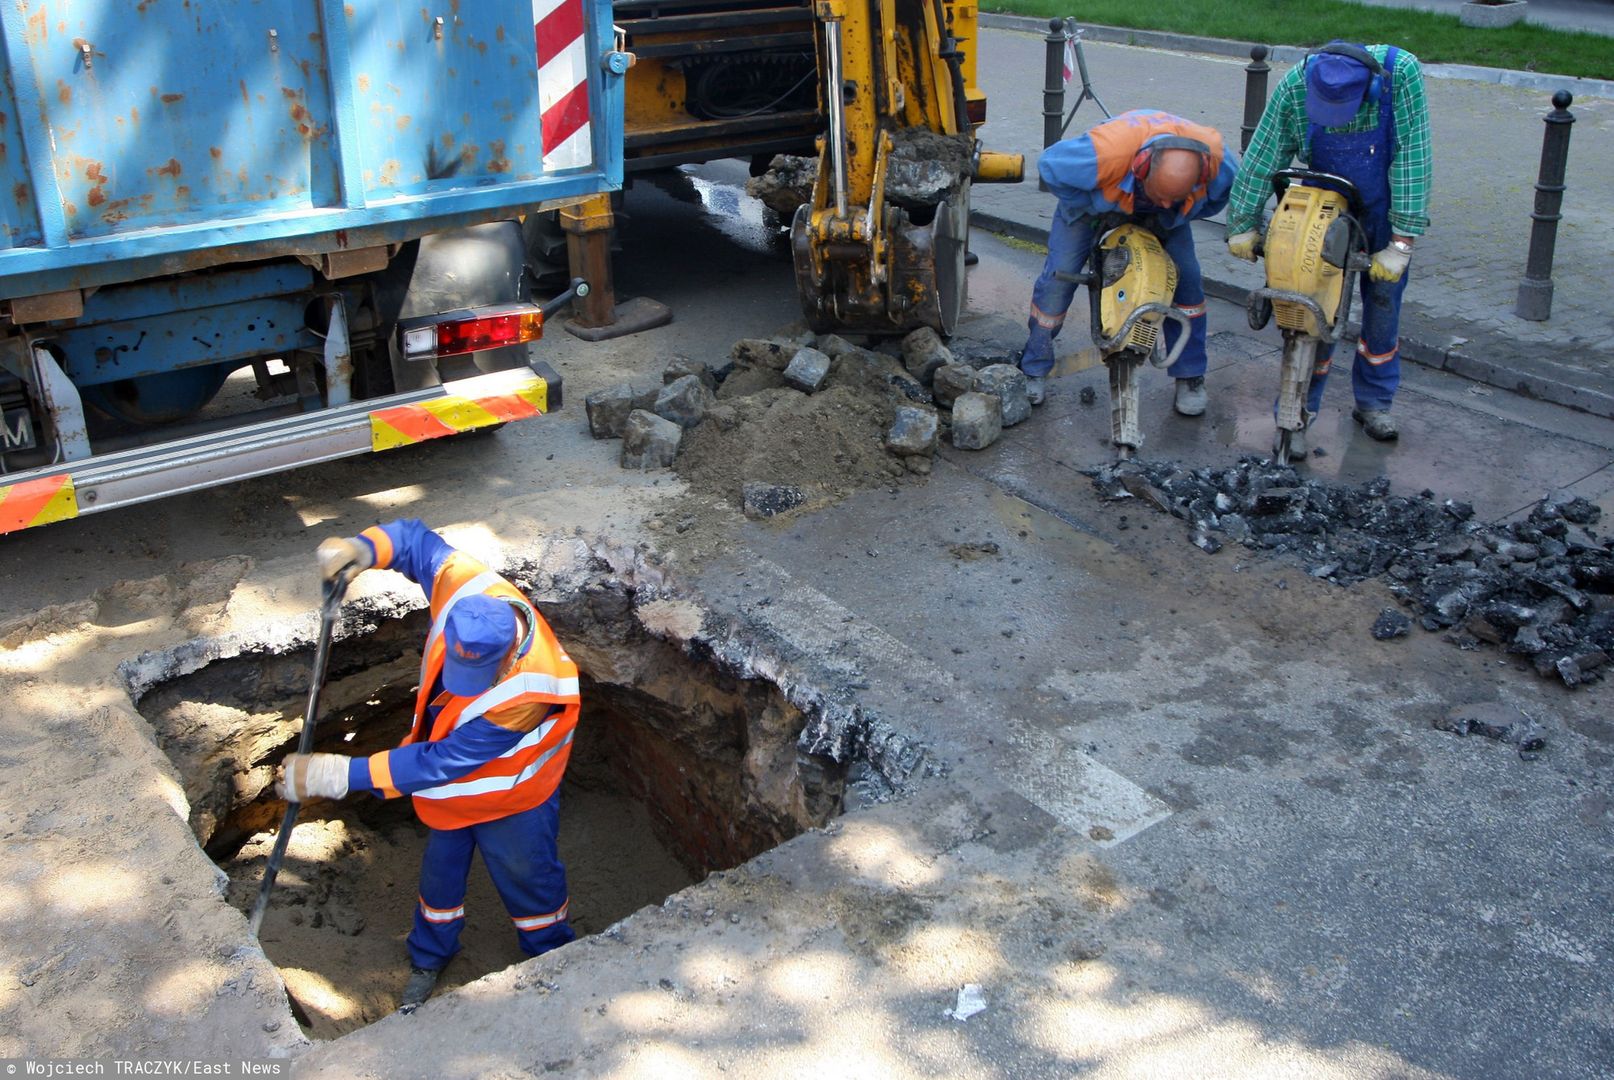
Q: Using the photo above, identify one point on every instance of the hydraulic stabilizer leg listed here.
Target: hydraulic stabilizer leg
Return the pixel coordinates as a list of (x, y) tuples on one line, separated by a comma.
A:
[(1294, 383), (598, 317), (1124, 430)]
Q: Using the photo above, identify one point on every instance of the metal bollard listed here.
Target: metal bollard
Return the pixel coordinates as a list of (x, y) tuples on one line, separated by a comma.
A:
[(1535, 291), (1255, 93), (1053, 86)]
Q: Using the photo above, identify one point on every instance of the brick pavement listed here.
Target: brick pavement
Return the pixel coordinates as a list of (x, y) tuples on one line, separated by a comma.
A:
[(1487, 141)]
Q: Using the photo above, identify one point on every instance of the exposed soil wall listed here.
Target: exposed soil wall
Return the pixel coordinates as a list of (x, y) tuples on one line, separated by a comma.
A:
[(682, 765)]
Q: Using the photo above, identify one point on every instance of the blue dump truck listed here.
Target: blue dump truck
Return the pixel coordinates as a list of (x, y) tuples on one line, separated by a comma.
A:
[(241, 236)]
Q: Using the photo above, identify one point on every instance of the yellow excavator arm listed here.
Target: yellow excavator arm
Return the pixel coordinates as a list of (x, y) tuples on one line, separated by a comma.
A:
[(880, 248)]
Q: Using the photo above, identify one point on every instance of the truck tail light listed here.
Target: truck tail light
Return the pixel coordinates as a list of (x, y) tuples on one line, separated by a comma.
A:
[(461, 332)]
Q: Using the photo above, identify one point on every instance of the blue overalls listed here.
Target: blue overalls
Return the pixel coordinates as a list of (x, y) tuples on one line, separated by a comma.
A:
[(1070, 242), (1363, 158), (522, 858), (520, 854)]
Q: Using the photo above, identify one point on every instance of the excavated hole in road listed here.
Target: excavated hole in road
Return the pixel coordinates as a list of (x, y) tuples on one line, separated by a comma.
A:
[(679, 767)]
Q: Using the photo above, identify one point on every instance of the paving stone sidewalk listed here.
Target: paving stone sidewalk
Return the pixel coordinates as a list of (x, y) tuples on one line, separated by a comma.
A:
[(1458, 313)]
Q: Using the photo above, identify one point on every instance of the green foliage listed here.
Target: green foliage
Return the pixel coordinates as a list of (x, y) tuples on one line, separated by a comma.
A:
[(1434, 38)]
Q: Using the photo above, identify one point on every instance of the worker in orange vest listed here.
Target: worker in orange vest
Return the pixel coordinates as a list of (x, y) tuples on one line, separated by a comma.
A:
[(1145, 166), (494, 718)]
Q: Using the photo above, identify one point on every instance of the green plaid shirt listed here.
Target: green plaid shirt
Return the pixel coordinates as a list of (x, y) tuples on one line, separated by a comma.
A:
[(1281, 137)]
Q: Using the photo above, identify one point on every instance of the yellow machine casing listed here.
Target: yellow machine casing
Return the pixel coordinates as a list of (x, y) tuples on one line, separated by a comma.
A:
[(1294, 258), (1134, 270)]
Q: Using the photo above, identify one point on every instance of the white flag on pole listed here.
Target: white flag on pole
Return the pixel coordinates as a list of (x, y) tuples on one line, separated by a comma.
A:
[(1070, 55)]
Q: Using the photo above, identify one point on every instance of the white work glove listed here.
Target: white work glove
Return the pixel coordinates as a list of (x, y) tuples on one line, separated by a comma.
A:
[(313, 776), (1243, 244), (341, 559), (1389, 264)]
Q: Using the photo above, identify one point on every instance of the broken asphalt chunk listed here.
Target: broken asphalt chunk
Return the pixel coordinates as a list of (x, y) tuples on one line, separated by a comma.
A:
[(764, 500), (1391, 624), (1494, 720)]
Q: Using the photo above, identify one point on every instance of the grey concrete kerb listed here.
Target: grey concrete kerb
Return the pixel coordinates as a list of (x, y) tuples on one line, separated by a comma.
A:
[(1290, 54)]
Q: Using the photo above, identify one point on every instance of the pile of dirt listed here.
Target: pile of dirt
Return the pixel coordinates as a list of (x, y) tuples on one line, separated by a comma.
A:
[(923, 168), (1540, 588), (828, 444)]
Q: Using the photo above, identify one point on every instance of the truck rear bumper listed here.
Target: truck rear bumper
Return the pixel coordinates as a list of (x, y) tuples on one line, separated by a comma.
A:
[(59, 492)]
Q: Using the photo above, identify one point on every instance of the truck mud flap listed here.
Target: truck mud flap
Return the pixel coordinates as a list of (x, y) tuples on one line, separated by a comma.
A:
[(59, 492)]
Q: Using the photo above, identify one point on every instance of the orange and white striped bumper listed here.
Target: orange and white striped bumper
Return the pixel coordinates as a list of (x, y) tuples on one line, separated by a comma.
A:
[(405, 425)]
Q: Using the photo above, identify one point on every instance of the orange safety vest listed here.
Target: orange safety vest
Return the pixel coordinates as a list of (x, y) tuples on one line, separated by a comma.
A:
[(1117, 142), (529, 772)]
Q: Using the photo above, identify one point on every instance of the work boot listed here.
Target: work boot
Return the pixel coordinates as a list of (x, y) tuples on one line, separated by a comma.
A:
[(1036, 390), (1377, 423), (422, 981), (1191, 396)]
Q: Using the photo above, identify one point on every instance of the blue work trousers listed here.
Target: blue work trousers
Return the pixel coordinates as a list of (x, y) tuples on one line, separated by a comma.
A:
[(520, 854), (1070, 242), (1376, 368), (1364, 158)]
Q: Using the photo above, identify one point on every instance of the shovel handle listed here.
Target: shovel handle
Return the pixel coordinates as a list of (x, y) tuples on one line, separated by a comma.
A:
[(330, 605)]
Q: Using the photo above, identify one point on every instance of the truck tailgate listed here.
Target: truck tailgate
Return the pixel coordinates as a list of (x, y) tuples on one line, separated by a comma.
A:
[(209, 130)]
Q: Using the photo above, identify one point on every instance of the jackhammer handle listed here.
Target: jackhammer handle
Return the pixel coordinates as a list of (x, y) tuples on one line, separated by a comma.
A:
[(1283, 177), (1169, 358), (330, 605)]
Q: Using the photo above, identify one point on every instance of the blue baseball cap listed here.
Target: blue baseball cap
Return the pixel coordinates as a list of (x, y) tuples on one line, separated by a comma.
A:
[(1335, 87), (477, 635)]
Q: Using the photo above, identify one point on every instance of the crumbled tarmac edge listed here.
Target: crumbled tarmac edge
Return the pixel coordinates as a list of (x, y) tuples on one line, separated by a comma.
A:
[(1499, 722), (1541, 588), (881, 760)]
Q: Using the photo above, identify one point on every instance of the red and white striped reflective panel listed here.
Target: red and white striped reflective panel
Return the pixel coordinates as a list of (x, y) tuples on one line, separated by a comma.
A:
[(563, 83)]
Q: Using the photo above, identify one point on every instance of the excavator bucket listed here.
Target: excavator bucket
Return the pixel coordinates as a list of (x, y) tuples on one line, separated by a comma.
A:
[(920, 281), (880, 247)]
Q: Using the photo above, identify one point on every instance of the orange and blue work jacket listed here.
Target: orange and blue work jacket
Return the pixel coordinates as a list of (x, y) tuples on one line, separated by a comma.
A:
[(1092, 173), (468, 760)]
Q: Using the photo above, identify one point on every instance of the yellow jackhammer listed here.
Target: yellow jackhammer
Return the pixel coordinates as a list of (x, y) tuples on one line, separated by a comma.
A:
[(1130, 282), (1314, 248)]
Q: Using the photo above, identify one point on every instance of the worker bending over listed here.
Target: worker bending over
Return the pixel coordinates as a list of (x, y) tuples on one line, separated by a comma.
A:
[(1155, 169), (493, 723), (1360, 113)]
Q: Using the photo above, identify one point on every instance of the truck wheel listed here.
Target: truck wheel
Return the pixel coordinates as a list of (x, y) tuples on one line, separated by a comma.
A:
[(372, 372)]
